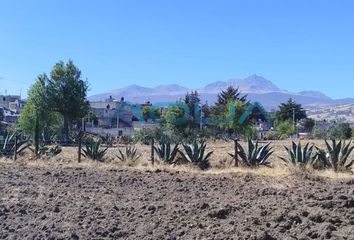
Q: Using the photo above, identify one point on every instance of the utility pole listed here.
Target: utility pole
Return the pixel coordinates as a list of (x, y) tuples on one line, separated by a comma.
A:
[(118, 121), (294, 118), (201, 117)]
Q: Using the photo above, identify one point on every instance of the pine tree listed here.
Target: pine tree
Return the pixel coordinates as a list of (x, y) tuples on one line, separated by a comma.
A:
[(287, 110), (225, 97)]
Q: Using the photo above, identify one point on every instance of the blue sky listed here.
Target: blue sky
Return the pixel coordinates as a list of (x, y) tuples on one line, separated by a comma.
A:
[(296, 44)]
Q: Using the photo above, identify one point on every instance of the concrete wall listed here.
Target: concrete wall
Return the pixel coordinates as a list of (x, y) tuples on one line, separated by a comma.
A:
[(111, 131)]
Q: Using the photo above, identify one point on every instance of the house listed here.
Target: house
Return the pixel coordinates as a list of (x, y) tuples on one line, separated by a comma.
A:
[(12, 102), (107, 111), (108, 122), (9, 115)]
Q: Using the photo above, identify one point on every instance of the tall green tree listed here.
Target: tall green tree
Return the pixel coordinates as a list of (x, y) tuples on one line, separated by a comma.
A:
[(67, 94), (239, 129), (36, 117), (309, 124), (224, 97), (192, 99), (149, 112), (286, 111), (173, 119)]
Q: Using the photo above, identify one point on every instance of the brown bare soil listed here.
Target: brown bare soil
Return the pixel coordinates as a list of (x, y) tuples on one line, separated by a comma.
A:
[(83, 201)]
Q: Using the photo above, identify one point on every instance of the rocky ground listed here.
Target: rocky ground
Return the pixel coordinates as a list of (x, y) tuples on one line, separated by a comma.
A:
[(80, 202)]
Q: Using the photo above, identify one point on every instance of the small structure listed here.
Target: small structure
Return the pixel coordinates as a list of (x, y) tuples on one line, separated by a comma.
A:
[(114, 117), (11, 102), (9, 116)]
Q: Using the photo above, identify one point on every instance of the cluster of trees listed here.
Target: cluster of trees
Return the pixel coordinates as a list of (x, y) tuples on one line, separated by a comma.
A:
[(228, 100), (334, 131), (286, 118), (290, 113), (54, 103)]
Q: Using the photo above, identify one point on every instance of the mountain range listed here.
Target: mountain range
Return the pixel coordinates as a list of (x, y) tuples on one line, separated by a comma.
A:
[(256, 87)]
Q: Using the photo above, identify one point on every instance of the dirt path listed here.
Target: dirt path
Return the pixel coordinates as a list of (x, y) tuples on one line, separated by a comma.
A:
[(89, 203)]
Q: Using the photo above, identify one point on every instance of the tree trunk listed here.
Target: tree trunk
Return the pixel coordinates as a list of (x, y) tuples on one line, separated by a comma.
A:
[(236, 152), (36, 137), (66, 129)]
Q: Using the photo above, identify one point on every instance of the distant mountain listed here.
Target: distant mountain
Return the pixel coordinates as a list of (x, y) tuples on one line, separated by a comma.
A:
[(314, 94), (170, 89), (135, 92), (256, 87), (251, 84), (129, 91)]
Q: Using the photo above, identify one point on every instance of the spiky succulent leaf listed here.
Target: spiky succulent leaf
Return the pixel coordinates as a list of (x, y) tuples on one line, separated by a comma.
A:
[(130, 154), (298, 155), (336, 155), (257, 155), (195, 154), (164, 151), (94, 151)]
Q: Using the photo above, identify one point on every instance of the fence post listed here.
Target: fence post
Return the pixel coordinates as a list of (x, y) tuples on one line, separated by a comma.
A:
[(236, 152), (152, 151), (79, 147), (15, 151)]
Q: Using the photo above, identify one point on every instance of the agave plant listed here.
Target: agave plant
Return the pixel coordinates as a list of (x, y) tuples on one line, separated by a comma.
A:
[(195, 154), (94, 151), (130, 154), (299, 156), (256, 155), (108, 139), (7, 148), (165, 153), (336, 155), (52, 151)]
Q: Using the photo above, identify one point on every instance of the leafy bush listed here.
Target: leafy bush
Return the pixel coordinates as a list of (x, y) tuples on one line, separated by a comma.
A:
[(320, 133), (125, 140), (108, 140), (54, 150), (336, 155), (271, 135), (250, 132), (93, 150), (195, 154), (336, 131), (285, 128), (47, 151), (164, 151), (299, 156), (309, 124), (340, 131), (142, 136), (256, 155), (130, 154)]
